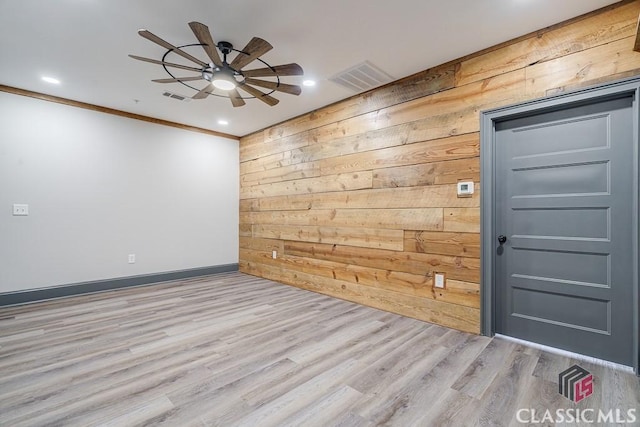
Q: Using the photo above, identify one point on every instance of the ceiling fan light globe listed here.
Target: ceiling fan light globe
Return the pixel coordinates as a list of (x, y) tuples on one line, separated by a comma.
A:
[(224, 79), (223, 84)]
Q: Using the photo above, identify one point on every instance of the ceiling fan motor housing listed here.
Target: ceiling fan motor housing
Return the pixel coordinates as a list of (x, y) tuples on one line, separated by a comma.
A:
[(225, 47)]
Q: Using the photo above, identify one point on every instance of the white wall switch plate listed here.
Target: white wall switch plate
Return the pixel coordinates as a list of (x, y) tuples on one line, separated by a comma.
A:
[(132, 258), (274, 254), (20, 209), (439, 280)]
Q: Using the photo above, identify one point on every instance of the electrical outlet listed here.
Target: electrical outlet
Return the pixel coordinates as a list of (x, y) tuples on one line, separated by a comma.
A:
[(274, 254), (20, 210), (132, 258), (439, 280)]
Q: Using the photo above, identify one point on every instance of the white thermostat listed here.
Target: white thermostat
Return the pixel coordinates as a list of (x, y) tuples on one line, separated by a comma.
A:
[(465, 188)]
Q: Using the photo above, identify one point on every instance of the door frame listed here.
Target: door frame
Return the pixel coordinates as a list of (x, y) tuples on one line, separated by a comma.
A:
[(488, 228)]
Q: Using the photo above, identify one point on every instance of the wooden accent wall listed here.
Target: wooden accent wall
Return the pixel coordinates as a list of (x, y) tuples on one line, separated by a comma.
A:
[(359, 198)]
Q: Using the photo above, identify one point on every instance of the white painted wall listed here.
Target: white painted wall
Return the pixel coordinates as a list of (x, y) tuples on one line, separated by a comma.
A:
[(100, 187)]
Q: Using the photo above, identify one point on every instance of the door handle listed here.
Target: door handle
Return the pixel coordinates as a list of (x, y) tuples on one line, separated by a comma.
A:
[(502, 239)]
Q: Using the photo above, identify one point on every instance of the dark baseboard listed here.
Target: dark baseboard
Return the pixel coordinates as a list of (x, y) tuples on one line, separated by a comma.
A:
[(42, 294)]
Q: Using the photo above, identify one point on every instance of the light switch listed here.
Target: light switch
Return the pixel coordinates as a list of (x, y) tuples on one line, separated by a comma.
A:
[(439, 280), (20, 209)]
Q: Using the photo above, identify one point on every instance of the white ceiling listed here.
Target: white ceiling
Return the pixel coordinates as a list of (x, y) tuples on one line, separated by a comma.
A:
[(85, 44)]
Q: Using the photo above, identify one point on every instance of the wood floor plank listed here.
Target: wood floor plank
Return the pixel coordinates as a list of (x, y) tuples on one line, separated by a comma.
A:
[(326, 410), (418, 352), (502, 396), (481, 372), (233, 349), (417, 393), (374, 347), (141, 413), (274, 412), (214, 404), (443, 411)]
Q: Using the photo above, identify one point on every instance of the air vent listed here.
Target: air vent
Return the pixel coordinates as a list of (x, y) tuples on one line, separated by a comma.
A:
[(361, 77), (176, 96)]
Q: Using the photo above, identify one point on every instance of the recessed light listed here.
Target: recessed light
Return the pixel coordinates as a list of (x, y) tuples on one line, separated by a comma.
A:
[(51, 80), (309, 82), (223, 122)]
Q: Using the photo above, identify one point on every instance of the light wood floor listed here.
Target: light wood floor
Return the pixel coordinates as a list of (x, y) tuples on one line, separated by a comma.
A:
[(233, 349)]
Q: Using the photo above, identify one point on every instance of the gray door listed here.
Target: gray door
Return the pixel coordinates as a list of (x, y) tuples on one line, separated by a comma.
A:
[(564, 202)]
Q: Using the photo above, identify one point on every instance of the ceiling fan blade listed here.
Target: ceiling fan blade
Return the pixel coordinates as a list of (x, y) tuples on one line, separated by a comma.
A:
[(259, 95), (204, 92), (280, 87), (152, 37), (168, 64), (280, 70), (255, 48), (235, 98), (178, 79), (203, 35)]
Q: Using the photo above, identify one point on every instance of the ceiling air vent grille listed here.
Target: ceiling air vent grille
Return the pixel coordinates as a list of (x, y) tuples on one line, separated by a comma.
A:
[(176, 96), (361, 77)]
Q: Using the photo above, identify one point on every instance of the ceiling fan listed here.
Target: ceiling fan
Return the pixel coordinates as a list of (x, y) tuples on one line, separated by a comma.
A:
[(225, 78)]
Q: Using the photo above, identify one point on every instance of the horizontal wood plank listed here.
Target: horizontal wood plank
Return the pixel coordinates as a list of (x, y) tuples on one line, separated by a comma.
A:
[(285, 173), (361, 237), (263, 245), (455, 244), (386, 198), (248, 205), (458, 292), (259, 149), (438, 126), (265, 163), (245, 230), (415, 219), (253, 139), (466, 220), (458, 268), (361, 142), (456, 147), (447, 172), (322, 184)]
